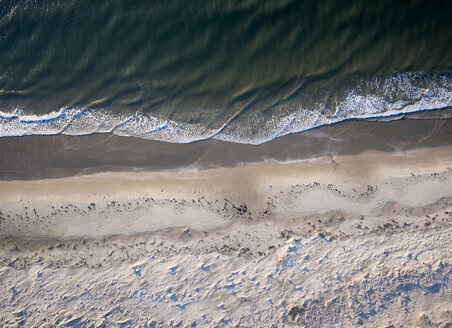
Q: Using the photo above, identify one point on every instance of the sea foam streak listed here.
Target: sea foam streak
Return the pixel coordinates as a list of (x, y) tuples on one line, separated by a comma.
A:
[(384, 97)]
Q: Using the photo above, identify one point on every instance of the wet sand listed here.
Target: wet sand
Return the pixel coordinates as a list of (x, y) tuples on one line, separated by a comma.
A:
[(38, 157)]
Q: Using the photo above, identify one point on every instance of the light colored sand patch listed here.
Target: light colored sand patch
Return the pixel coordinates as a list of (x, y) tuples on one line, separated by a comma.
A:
[(365, 200), (156, 218)]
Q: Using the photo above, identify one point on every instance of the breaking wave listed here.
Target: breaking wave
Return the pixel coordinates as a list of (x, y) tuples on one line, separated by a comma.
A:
[(386, 97)]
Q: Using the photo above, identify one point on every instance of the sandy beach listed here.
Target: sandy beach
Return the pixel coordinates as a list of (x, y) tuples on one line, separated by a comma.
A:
[(340, 240), (219, 164)]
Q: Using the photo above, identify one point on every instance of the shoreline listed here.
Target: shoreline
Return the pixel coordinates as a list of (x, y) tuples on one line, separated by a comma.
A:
[(42, 157)]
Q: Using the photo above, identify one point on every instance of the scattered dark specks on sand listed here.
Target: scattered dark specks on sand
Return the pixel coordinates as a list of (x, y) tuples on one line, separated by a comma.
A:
[(295, 313)]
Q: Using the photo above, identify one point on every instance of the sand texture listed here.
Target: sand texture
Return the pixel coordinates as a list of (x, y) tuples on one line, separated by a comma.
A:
[(350, 240)]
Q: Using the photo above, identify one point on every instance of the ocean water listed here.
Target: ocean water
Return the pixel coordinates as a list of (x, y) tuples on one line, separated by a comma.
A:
[(239, 71)]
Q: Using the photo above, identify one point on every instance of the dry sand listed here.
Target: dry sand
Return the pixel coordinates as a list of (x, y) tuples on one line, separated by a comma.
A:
[(351, 240)]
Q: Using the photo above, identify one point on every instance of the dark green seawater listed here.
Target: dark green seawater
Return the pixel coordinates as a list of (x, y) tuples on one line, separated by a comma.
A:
[(244, 71)]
